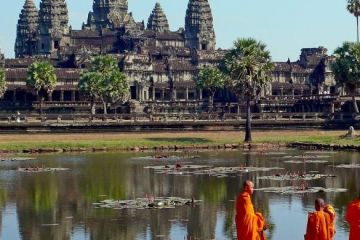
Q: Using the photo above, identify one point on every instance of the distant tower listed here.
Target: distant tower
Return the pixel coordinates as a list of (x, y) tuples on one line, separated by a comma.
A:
[(107, 12), (26, 33), (157, 20), (2, 60), (53, 26), (199, 29)]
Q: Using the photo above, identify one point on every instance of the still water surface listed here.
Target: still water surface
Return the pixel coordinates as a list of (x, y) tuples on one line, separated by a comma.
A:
[(59, 206)]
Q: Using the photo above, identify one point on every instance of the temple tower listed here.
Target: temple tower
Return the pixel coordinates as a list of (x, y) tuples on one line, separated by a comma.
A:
[(157, 20), (106, 13), (53, 26), (2, 60), (26, 32), (199, 29)]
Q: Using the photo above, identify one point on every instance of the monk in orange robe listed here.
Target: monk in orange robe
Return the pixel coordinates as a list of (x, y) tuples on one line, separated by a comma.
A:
[(317, 225), (353, 218), (330, 220), (249, 224)]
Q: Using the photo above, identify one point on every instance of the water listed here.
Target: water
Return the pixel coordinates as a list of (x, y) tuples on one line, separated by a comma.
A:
[(60, 206)]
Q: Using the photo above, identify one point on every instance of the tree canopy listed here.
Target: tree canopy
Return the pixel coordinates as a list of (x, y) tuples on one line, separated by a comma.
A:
[(41, 76), (2, 83), (211, 79), (346, 67), (248, 66), (104, 81)]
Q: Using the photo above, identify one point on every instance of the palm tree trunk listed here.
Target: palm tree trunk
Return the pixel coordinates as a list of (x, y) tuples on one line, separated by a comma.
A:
[(92, 108), (105, 108), (248, 137), (357, 28), (356, 108)]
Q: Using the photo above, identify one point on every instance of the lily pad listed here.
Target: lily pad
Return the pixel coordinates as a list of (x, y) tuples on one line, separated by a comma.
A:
[(350, 166), (300, 190), (294, 177), (147, 203), (13, 159), (39, 170), (305, 161)]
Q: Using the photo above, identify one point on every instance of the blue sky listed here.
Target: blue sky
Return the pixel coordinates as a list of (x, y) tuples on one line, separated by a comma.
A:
[(285, 26)]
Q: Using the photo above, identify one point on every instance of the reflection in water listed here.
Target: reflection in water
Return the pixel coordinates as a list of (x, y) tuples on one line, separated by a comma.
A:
[(60, 205)]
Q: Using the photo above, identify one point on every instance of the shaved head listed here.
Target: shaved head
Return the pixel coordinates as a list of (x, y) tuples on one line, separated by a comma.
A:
[(319, 204), (248, 187)]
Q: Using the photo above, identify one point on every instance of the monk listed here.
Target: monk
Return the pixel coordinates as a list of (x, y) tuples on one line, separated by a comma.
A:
[(353, 218), (330, 220), (249, 225), (318, 221)]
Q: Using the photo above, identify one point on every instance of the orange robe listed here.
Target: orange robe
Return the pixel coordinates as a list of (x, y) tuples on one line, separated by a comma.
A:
[(353, 218), (249, 225), (330, 220), (317, 226)]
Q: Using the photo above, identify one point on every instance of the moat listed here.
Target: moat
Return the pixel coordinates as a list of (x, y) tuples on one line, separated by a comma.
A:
[(60, 204)]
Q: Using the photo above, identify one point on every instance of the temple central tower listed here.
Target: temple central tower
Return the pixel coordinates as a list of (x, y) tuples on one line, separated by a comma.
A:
[(199, 29), (107, 12), (53, 26)]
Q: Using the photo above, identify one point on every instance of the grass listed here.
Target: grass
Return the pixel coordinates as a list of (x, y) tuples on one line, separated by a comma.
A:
[(17, 142)]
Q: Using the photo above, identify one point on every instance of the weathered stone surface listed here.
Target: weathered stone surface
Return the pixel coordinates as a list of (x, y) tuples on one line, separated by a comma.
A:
[(199, 29), (26, 33), (158, 21)]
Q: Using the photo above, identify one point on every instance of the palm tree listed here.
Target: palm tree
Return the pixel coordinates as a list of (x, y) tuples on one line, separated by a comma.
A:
[(211, 79), (346, 69), (248, 65), (2, 83), (41, 78), (353, 6)]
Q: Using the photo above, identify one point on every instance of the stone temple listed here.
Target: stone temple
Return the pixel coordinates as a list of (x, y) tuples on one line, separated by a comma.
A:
[(161, 64)]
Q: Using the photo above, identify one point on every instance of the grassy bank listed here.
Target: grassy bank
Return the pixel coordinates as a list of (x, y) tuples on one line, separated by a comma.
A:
[(19, 142)]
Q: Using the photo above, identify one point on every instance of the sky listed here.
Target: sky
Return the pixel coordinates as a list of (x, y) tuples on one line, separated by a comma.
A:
[(285, 26)]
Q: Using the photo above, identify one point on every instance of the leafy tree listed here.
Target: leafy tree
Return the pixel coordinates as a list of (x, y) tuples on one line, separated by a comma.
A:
[(353, 6), (42, 78), (346, 68), (211, 79), (248, 65), (104, 82), (2, 83)]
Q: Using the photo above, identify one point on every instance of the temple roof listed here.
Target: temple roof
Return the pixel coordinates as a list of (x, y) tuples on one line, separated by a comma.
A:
[(20, 74), (157, 20)]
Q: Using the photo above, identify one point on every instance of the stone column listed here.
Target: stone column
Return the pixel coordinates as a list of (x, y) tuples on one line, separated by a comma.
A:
[(281, 91), (187, 94), (174, 95), (200, 94), (61, 95), (50, 96), (162, 94), (73, 95), (153, 93)]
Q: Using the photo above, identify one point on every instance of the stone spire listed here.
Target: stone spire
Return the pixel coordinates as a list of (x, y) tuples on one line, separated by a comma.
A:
[(53, 25), (199, 29), (2, 60), (107, 13), (26, 33), (157, 20)]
